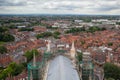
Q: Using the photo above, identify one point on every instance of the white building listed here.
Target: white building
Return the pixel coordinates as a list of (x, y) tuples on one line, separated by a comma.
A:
[(78, 21), (56, 25), (21, 26), (60, 25)]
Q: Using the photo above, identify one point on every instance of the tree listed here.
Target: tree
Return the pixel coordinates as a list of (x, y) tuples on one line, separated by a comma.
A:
[(29, 54), (8, 38), (93, 29), (50, 27), (79, 56), (1, 36), (87, 20), (110, 44), (5, 36), (96, 28), (111, 71), (2, 29), (5, 73), (26, 29), (103, 28), (17, 69), (13, 69), (3, 49), (56, 34), (82, 42), (118, 23), (45, 34), (75, 30)]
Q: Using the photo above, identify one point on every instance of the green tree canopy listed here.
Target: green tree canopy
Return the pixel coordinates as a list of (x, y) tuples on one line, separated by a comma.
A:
[(56, 34), (8, 38), (29, 54), (79, 56), (45, 34), (111, 71), (26, 29), (110, 44), (5, 36), (93, 29), (74, 30), (13, 69), (3, 29), (3, 49), (118, 23)]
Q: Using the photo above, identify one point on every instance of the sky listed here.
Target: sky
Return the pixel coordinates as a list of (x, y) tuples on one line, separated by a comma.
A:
[(104, 7)]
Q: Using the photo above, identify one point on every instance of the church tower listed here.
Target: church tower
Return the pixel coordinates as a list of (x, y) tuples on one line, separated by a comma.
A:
[(72, 51)]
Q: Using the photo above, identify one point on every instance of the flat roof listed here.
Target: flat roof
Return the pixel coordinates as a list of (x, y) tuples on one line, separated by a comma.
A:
[(86, 53)]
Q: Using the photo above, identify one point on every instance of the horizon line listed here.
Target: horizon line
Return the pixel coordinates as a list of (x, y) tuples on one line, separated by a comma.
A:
[(64, 14)]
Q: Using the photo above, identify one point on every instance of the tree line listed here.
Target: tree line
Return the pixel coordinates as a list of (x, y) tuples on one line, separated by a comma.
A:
[(48, 34), (5, 36), (82, 29)]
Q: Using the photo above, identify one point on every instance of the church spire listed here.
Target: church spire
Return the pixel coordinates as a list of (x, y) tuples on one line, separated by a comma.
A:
[(48, 45), (73, 47), (72, 51), (34, 60)]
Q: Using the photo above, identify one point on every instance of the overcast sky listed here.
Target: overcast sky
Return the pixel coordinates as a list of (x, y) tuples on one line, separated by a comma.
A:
[(110, 7)]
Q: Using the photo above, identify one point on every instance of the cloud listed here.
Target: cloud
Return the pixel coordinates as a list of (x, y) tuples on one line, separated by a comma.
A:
[(67, 5), (99, 5), (12, 3), (107, 5), (59, 6)]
